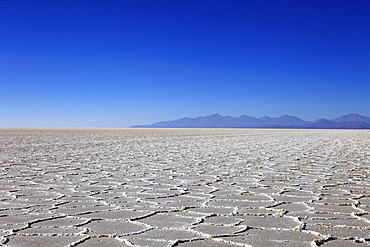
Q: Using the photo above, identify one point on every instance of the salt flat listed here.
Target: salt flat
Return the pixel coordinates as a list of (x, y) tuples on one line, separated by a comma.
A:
[(184, 187)]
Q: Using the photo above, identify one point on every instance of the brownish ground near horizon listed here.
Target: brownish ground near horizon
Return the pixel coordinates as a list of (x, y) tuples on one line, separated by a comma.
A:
[(184, 187)]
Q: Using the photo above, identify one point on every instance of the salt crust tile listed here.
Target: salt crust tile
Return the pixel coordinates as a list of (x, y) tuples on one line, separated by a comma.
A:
[(266, 237), (268, 222), (21, 219), (264, 190), (167, 220), (81, 210), (206, 243), (115, 214), (333, 209), (10, 211), (344, 221), (299, 194), (65, 221), (50, 230), (223, 220), (345, 243), (333, 201), (282, 198), (365, 201), (24, 202), (100, 242), (239, 203), (164, 234), (214, 230), (341, 232), (105, 227), (245, 197), (79, 203), (37, 241), (169, 205), (293, 207), (365, 209), (213, 210), (138, 241)]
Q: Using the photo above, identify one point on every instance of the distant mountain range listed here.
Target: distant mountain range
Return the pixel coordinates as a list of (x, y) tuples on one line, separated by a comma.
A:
[(351, 121)]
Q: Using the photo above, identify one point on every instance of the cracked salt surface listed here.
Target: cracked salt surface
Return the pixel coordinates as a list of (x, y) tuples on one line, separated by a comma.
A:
[(184, 187)]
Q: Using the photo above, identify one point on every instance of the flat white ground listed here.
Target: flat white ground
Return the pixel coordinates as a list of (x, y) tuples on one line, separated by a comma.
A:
[(184, 187)]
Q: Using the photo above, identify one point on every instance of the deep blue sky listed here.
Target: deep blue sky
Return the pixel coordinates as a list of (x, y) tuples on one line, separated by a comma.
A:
[(116, 63)]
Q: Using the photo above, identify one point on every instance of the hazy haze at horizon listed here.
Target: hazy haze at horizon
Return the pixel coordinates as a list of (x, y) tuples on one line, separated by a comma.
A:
[(121, 63)]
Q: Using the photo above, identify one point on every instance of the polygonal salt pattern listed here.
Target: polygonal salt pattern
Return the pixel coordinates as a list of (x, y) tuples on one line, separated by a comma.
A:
[(184, 187)]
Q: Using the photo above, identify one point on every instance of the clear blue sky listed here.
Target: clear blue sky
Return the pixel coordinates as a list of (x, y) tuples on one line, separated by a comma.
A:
[(116, 63)]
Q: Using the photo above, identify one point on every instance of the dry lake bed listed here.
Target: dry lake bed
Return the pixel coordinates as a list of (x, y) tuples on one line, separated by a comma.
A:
[(184, 187)]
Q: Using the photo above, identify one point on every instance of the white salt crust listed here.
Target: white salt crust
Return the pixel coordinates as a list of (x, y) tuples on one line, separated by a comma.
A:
[(184, 187)]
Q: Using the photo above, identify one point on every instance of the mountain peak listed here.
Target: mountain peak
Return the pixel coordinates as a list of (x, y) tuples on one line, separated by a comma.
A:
[(353, 117)]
